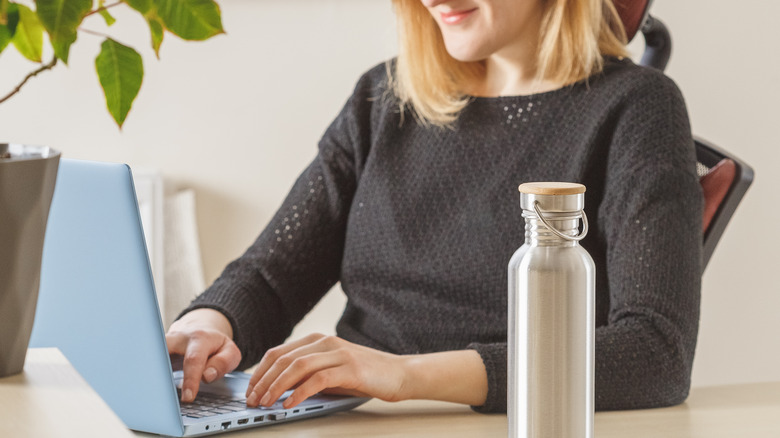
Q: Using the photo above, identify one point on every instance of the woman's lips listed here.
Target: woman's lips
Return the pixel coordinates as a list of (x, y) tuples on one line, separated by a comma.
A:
[(455, 17)]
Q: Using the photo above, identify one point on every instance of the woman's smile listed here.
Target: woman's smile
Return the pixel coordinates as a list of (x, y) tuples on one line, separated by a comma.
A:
[(455, 17)]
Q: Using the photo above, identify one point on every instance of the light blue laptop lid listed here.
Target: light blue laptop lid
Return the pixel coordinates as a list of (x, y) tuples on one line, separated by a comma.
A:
[(97, 302)]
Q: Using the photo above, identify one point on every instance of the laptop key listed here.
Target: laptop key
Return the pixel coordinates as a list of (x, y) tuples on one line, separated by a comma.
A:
[(194, 415)]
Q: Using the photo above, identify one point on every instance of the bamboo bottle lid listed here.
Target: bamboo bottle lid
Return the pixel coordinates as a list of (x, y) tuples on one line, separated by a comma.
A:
[(551, 188)]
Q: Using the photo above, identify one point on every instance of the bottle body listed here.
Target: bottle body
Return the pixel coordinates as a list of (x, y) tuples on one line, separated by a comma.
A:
[(551, 333)]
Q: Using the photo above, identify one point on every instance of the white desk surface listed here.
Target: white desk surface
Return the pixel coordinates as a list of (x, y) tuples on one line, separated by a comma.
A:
[(50, 399), (50, 384), (738, 411)]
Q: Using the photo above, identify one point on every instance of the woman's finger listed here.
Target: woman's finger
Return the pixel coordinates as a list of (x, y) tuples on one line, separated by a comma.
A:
[(224, 361), (194, 363), (270, 388), (317, 382), (208, 355), (273, 355), (204, 338)]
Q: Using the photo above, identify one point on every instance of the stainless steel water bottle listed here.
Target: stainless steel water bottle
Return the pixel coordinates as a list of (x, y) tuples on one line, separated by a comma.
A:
[(551, 341)]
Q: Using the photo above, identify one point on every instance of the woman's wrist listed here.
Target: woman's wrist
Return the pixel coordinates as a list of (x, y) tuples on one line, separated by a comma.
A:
[(453, 376), (207, 317)]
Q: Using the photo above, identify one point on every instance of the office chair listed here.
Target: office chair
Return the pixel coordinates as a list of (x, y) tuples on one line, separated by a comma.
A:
[(724, 178)]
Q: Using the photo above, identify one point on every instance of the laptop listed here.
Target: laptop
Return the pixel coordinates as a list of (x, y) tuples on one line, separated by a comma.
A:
[(97, 304)]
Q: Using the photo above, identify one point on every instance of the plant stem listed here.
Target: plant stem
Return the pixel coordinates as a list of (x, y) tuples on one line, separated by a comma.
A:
[(92, 32), (32, 74), (104, 8)]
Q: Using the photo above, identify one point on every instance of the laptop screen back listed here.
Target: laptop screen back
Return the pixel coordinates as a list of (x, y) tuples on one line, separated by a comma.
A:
[(97, 302)]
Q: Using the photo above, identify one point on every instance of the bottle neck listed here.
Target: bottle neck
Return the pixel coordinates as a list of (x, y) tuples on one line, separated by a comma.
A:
[(537, 234)]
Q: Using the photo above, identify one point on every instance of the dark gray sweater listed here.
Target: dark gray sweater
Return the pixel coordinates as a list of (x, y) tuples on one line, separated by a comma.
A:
[(418, 224)]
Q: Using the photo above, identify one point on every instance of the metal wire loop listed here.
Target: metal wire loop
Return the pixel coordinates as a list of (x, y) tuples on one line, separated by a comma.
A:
[(558, 233)]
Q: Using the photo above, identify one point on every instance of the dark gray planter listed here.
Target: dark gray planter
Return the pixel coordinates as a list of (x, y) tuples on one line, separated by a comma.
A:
[(27, 177)]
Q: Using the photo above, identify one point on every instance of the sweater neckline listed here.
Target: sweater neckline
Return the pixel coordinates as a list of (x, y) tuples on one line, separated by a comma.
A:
[(610, 62), (522, 97)]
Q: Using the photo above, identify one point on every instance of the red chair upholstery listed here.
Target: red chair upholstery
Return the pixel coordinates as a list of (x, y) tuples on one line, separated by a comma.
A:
[(715, 184), (633, 14), (724, 180)]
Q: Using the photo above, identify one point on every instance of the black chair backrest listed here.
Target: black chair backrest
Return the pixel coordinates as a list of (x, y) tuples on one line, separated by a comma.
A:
[(635, 15)]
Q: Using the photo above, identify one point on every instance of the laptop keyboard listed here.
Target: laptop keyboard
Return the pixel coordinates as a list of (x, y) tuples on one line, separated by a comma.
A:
[(207, 405)]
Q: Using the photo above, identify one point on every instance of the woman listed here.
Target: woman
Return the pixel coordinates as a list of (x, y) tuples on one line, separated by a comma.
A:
[(411, 204)]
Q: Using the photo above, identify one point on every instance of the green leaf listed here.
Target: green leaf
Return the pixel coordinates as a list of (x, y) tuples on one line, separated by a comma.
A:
[(4, 12), (5, 37), (110, 20), (121, 71), (194, 20), (8, 28), (142, 6), (28, 37), (158, 32), (61, 18), (156, 26), (12, 17)]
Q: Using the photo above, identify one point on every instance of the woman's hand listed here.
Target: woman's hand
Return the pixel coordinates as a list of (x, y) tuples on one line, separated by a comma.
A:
[(319, 363), (205, 338), (326, 363)]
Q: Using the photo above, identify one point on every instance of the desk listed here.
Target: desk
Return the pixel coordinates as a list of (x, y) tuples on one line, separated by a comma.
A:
[(744, 411), (738, 411), (50, 399)]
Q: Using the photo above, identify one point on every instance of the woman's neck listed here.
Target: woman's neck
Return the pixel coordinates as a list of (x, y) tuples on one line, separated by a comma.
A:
[(512, 76), (512, 70)]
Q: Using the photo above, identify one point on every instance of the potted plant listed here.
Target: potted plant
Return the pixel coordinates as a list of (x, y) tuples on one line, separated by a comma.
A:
[(28, 173)]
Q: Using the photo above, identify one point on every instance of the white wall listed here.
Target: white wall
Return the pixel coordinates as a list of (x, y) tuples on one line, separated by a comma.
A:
[(725, 61), (238, 117)]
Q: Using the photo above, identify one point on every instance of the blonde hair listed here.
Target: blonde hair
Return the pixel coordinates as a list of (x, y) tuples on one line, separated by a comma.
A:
[(575, 37)]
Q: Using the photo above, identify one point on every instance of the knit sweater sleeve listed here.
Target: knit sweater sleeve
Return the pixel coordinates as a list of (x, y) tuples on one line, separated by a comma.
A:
[(297, 257), (650, 223)]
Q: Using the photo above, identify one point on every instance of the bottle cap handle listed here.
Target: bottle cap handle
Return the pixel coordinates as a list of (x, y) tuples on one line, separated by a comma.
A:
[(555, 230)]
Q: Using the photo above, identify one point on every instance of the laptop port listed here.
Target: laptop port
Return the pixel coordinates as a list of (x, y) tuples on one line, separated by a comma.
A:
[(243, 421), (258, 419), (225, 425)]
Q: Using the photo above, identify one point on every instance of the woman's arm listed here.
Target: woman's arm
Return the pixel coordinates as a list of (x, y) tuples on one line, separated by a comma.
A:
[(325, 363), (650, 220), (296, 259)]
